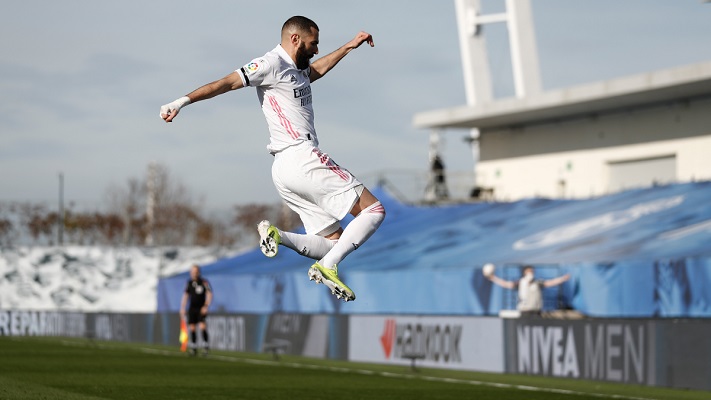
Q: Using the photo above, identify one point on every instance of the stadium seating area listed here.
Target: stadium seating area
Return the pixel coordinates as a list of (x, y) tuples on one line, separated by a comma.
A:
[(638, 253)]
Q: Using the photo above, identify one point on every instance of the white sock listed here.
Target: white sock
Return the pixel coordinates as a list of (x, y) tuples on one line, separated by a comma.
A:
[(312, 246), (356, 233)]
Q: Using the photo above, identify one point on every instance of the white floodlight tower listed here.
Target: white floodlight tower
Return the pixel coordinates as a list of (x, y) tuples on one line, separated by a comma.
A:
[(475, 60)]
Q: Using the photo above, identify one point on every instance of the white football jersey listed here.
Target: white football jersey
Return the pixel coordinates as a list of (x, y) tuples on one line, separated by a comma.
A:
[(284, 93), (530, 295)]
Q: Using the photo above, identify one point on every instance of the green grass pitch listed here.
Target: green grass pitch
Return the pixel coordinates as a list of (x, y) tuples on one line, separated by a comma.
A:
[(56, 368)]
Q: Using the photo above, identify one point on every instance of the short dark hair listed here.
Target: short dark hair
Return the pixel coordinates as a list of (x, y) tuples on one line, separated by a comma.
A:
[(299, 23)]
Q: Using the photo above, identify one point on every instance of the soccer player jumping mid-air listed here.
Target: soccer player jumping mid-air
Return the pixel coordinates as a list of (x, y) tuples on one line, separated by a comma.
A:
[(309, 181)]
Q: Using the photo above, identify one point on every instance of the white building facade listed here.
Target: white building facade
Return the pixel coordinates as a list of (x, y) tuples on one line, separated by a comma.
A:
[(578, 142), (598, 154)]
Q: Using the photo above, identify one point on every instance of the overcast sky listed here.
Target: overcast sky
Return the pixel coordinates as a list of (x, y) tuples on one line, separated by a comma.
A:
[(82, 83)]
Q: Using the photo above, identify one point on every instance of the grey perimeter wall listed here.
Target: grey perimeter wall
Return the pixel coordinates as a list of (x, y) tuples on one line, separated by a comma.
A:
[(653, 352)]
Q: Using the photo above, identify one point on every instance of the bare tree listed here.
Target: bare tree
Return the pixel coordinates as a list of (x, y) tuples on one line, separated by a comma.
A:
[(249, 215), (224, 235), (176, 214), (172, 216), (128, 203), (110, 227), (38, 221), (7, 228), (92, 227)]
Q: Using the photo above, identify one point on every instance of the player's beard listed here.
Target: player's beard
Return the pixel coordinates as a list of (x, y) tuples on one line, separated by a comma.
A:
[(302, 58)]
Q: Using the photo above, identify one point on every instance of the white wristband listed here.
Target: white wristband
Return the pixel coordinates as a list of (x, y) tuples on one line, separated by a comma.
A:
[(182, 102), (175, 105)]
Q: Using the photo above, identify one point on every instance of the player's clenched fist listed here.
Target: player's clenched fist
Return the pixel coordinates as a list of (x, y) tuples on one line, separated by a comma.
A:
[(170, 110)]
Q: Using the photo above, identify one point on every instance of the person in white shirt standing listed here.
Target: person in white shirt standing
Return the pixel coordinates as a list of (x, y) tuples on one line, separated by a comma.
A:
[(530, 289), (309, 181)]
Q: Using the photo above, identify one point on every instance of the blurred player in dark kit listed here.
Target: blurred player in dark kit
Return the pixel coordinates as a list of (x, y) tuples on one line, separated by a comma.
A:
[(198, 293)]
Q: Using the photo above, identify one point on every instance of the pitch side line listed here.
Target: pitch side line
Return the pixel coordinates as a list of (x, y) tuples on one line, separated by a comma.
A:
[(400, 376), (364, 372)]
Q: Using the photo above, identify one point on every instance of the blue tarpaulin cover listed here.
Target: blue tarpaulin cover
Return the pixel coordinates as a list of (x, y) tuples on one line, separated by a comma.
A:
[(637, 253)]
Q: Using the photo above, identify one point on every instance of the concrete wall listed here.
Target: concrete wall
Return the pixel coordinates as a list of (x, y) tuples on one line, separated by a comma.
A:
[(577, 157)]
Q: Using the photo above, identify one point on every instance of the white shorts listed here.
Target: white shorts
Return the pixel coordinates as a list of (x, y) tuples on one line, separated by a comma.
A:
[(315, 187)]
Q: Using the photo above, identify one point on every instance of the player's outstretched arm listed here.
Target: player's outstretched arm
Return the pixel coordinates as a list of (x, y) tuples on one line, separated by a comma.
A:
[(556, 281), (230, 82), (502, 282), (324, 64)]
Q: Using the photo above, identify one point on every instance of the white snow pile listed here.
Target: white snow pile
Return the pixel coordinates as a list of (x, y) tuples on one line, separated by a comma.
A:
[(92, 279)]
